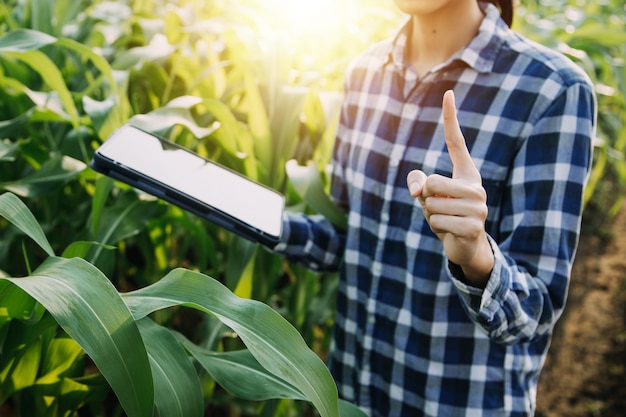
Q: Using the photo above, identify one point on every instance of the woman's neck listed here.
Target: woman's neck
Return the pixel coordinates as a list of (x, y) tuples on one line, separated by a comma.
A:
[(438, 35)]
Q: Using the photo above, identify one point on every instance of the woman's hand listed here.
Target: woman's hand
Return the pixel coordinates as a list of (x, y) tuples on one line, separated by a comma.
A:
[(456, 208)]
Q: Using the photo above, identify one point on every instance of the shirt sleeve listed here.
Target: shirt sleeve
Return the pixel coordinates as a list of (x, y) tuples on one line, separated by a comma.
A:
[(527, 289), (312, 241)]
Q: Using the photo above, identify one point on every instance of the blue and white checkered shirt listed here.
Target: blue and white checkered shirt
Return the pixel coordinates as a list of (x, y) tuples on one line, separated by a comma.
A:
[(411, 339)]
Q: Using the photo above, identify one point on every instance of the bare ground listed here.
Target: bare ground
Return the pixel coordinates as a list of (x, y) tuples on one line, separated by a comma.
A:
[(585, 373)]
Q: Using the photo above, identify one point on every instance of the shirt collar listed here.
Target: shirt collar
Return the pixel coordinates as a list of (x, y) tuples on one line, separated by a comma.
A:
[(479, 54)]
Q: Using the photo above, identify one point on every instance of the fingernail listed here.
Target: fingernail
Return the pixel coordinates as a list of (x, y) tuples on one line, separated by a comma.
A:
[(414, 188)]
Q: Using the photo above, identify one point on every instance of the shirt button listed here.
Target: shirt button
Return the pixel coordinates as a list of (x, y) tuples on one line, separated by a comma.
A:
[(377, 269), (371, 319), (394, 162), (385, 217)]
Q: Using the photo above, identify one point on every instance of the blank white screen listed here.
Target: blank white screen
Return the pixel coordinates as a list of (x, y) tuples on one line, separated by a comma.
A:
[(220, 188)]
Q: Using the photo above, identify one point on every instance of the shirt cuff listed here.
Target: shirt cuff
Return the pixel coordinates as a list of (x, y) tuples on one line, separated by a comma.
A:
[(483, 303)]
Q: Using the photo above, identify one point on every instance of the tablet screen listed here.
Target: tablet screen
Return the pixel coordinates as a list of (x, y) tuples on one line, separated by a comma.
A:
[(205, 181)]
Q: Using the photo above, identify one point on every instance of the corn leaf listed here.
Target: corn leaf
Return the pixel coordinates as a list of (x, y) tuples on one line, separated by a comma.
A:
[(125, 219), (8, 151), (241, 374), (50, 73), (61, 355), (176, 382), (53, 173), (20, 349), (258, 122), (87, 306), (308, 183), (275, 344), (20, 40), (162, 120), (16, 212), (104, 185)]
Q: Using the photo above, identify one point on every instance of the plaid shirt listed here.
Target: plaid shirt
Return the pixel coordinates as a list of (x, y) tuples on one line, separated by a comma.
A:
[(411, 338)]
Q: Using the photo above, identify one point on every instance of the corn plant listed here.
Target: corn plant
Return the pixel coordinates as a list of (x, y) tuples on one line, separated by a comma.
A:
[(216, 77), (148, 366), (65, 99), (592, 34)]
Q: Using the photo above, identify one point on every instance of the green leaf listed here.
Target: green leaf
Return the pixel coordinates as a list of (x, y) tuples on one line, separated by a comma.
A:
[(127, 218), (101, 114), (75, 392), (41, 15), (109, 114), (8, 151), (81, 249), (287, 104), (12, 209), (69, 396), (54, 172), (307, 182), (21, 40), (87, 306), (104, 185), (232, 136), (239, 373), (20, 369), (158, 50), (50, 73), (11, 127), (16, 304), (176, 382), (162, 120), (347, 409), (98, 61), (258, 122), (597, 34), (21, 354), (23, 44), (240, 254), (60, 356), (274, 342)]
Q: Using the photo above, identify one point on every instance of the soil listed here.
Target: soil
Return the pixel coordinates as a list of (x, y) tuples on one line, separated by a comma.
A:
[(585, 372)]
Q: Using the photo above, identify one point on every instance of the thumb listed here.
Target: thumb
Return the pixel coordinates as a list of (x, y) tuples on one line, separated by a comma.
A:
[(463, 166), (415, 181)]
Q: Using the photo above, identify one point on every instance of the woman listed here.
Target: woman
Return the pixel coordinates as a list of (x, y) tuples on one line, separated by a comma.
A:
[(450, 290)]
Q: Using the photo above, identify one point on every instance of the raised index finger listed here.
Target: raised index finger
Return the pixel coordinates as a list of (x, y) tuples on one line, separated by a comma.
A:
[(463, 166)]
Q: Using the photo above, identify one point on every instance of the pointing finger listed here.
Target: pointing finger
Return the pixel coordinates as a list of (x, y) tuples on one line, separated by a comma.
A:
[(463, 166)]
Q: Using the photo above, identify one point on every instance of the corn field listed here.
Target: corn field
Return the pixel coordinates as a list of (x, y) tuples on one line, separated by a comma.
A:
[(115, 303)]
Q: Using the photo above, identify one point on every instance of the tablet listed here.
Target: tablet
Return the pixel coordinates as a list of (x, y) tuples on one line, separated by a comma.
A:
[(183, 178)]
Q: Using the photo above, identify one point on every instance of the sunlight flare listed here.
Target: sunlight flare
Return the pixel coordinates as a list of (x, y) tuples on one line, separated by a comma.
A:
[(305, 17)]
